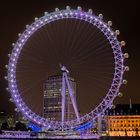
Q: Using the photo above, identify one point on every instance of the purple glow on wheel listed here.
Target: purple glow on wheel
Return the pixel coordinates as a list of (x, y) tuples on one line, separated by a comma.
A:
[(47, 18)]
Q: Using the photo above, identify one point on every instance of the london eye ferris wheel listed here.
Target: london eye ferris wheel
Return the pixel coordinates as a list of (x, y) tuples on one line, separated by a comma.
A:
[(88, 49)]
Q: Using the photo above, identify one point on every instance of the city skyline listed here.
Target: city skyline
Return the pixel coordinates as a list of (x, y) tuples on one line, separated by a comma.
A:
[(125, 23)]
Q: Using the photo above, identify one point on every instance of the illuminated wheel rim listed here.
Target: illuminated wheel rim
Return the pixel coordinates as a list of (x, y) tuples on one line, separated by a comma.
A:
[(48, 18)]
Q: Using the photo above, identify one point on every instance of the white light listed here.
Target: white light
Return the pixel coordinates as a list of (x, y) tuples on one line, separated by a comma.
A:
[(6, 66), (37, 25), (22, 40), (96, 19), (14, 59), (13, 91), (51, 17), (29, 32), (12, 80), (19, 45), (12, 85), (112, 33), (108, 29), (17, 49), (105, 26), (66, 14), (25, 36), (91, 17), (71, 13), (100, 22), (36, 18), (13, 44), (20, 105), (22, 109), (86, 15), (46, 19), (41, 22), (15, 54), (55, 16), (33, 28), (12, 70), (19, 34), (61, 14)]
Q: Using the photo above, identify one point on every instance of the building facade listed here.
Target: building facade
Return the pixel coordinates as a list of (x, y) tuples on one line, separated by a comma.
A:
[(124, 120), (53, 97)]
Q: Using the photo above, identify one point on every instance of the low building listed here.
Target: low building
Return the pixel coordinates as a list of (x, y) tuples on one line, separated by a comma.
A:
[(124, 120)]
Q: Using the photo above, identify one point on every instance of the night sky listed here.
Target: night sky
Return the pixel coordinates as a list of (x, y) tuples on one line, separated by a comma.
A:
[(125, 16)]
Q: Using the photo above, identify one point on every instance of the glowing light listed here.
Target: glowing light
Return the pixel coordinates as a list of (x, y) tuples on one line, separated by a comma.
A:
[(11, 75), (66, 14), (61, 14), (37, 25), (33, 28), (96, 19), (108, 29), (13, 91), (29, 32), (12, 85), (46, 19), (15, 54), (12, 70), (41, 22), (51, 17), (14, 59), (23, 109), (15, 95), (55, 16)]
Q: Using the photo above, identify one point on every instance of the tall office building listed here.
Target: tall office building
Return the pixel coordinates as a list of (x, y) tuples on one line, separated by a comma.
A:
[(53, 97)]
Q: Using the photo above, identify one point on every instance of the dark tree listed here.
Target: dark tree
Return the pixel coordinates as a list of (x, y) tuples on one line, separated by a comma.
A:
[(20, 126), (5, 126)]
